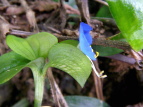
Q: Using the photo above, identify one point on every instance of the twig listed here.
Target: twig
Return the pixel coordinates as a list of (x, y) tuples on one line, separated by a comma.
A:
[(138, 56), (53, 29), (96, 41), (123, 58), (25, 5), (112, 43), (21, 33), (5, 3), (103, 42), (71, 10), (30, 15), (107, 21), (57, 95), (63, 15), (135, 55), (4, 28), (98, 83), (84, 10), (138, 63), (102, 2)]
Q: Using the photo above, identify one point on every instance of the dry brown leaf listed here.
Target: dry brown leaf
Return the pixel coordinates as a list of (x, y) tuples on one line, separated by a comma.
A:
[(4, 28), (2, 49), (69, 32), (19, 20), (2, 7), (45, 6), (14, 10), (31, 18)]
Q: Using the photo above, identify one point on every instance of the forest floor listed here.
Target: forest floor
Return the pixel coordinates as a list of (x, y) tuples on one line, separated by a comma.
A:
[(122, 88)]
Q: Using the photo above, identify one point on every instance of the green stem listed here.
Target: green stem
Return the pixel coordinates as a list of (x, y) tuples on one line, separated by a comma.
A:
[(39, 88)]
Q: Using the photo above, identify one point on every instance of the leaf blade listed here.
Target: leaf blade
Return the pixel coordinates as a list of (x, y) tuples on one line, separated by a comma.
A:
[(82, 101), (129, 21), (71, 60), (20, 46), (41, 43), (106, 51), (10, 64)]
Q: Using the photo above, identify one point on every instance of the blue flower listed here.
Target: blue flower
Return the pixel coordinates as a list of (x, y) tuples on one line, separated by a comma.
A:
[(85, 40)]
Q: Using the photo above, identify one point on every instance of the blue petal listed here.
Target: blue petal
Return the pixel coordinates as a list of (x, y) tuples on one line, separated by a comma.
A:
[(85, 28), (85, 40)]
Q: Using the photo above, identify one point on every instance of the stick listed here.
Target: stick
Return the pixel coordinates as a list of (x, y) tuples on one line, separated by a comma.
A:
[(57, 95)]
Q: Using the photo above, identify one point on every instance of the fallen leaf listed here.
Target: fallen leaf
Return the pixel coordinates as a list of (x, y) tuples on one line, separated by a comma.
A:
[(14, 10), (45, 6)]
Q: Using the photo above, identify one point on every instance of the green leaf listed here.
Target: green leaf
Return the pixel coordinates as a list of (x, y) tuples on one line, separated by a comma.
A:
[(34, 46), (10, 64), (71, 60), (128, 15), (82, 101), (41, 43), (106, 51), (104, 12), (71, 42), (20, 46), (22, 103)]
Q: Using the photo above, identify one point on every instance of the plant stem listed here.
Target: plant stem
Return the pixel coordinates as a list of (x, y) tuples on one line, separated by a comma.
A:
[(39, 88)]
